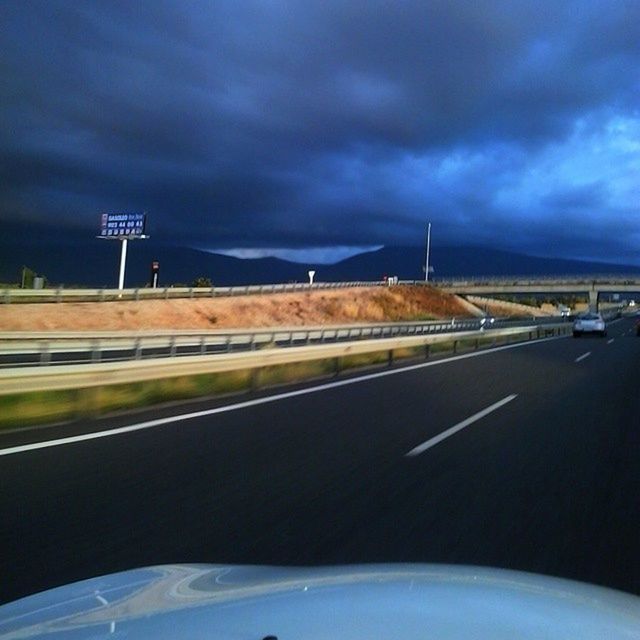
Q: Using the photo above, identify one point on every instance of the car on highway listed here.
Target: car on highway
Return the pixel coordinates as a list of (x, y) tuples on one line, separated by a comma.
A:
[(487, 322), (589, 323)]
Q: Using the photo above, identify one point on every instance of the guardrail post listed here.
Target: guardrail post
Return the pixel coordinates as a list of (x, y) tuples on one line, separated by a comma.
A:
[(390, 358), (455, 346), (136, 294), (213, 292), (59, 294), (172, 346), (45, 354), (203, 345), (336, 366), (228, 344), (166, 293), (138, 351), (477, 344), (6, 296), (95, 351), (101, 295), (427, 349), (191, 292), (252, 342)]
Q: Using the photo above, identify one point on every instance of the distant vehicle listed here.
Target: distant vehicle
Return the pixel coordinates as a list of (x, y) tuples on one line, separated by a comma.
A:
[(564, 312), (589, 323), (487, 322)]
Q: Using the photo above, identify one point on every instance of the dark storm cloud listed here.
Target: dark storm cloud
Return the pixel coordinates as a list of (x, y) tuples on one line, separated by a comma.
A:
[(282, 124)]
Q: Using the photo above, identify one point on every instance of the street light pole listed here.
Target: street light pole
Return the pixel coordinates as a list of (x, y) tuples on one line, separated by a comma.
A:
[(426, 265)]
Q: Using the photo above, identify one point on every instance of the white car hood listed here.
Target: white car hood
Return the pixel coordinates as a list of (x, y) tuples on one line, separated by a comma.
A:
[(356, 602)]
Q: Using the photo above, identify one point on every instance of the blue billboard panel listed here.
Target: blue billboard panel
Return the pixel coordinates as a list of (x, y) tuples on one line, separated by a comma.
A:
[(122, 225)]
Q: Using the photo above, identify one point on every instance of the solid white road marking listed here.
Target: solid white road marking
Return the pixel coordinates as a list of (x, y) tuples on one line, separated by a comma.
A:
[(583, 356), (432, 442), (258, 401), (610, 340)]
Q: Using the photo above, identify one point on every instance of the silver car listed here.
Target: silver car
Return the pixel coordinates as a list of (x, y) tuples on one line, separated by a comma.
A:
[(589, 323)]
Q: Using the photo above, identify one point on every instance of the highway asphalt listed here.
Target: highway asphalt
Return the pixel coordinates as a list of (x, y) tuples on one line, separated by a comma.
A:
[(523, 457)]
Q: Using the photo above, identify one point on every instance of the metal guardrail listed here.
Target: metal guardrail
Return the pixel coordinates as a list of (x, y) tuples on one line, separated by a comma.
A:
[(56, 348), (80, 376), (60, 294)]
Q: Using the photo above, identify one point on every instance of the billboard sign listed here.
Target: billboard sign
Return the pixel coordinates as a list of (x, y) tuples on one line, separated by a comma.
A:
[(122, 225)]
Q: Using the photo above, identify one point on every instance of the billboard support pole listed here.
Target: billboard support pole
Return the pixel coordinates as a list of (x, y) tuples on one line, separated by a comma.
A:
[(123, 261)]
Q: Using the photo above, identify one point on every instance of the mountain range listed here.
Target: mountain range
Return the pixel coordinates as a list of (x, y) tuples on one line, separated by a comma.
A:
[(95, 264)]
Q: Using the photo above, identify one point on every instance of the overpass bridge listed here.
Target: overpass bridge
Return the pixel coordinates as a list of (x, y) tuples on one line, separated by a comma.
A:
[(591, 285)]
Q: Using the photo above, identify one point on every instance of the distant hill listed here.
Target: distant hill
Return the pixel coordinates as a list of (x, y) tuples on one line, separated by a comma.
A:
[(407, 263), (95, 263)]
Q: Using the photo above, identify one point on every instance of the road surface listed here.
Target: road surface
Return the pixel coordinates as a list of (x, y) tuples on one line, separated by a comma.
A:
[(523, 457)]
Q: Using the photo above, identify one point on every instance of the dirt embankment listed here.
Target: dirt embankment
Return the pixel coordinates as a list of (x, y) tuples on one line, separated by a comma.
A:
[(497, 307), (326, 307)]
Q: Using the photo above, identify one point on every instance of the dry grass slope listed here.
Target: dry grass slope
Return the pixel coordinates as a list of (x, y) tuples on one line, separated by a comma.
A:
[(356, 305)]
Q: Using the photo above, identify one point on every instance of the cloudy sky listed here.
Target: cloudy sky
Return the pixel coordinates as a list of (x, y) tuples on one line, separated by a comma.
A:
[(327, 123)]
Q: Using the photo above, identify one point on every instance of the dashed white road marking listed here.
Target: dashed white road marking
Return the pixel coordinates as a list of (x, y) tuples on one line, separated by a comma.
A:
[(610, 340), (583, 356), (432, 442)]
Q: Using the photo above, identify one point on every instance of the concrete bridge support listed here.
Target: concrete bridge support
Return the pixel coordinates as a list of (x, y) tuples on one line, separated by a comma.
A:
[(593, 300)]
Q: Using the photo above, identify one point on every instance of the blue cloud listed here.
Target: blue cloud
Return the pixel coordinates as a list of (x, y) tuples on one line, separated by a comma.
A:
[(327, 123)]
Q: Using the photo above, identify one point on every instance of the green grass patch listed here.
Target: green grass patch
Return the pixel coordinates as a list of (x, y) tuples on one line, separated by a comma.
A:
[(441, 347), (363, 360), (467, 345), (27, 409), (282, 374)]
